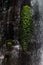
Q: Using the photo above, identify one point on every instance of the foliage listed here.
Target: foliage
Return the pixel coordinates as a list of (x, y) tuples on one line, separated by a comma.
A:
[(25, 26), (9, 43)]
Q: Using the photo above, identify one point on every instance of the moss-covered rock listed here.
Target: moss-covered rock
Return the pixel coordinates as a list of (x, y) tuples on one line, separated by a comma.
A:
[(9, 43), (25, 26)]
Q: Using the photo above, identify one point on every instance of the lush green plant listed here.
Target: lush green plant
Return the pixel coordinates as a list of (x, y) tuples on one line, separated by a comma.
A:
[(25, 26), (9, 43)]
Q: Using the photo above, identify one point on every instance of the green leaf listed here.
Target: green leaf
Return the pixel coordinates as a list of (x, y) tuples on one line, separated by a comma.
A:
[(25, 26)]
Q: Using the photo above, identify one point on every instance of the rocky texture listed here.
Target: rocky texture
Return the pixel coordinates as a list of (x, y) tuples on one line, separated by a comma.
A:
[(11, 14)]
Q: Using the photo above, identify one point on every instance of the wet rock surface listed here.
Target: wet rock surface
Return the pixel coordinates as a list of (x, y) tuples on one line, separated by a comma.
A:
[(16, 56)]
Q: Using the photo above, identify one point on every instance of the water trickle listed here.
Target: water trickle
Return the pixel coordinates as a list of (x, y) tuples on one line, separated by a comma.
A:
[(37, 54)]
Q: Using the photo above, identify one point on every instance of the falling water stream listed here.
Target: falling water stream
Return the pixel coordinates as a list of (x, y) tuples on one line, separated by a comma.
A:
[(36, 48), (37, 57)]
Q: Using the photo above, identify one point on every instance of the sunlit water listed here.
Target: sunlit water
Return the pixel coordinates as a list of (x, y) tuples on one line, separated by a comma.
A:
[(41, 29), (38, 56)]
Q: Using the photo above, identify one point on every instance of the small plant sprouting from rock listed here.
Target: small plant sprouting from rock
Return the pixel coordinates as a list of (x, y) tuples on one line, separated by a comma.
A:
[(25, 26)]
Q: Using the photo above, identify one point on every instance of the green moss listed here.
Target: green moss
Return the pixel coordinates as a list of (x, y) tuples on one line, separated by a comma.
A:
[(9, 43), (25, 26)]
